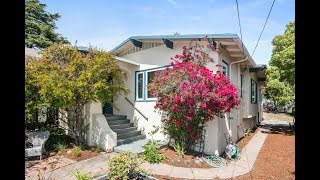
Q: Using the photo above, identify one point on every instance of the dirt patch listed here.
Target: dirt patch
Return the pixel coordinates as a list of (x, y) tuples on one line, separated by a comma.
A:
[(52, 162), (276, 159), (278, 116), (33, 166), (188, 160), (85, 154)]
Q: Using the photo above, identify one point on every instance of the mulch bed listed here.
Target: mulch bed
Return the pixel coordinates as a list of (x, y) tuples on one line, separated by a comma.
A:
[(85, 154), (48, 163), (188, 160), (276, 159)]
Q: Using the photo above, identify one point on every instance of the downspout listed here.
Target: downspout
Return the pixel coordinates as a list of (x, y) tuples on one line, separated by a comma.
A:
[(225, 114)]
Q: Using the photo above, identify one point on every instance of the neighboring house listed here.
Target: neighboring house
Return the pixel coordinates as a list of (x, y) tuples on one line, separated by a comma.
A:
[(140, 56), (32, 52)]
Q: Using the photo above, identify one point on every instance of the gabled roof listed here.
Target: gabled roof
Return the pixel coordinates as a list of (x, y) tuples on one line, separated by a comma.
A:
[(86, 49), (228, 41)]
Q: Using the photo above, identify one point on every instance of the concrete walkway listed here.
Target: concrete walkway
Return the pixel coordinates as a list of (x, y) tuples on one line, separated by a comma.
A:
[(244, 165), (97, 166)]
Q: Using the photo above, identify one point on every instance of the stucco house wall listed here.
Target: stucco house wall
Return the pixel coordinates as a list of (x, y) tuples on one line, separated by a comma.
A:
[(159, 56), (250, 110)]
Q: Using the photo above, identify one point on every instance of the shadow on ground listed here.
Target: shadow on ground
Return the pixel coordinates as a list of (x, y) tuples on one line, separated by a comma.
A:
[(274, 129)]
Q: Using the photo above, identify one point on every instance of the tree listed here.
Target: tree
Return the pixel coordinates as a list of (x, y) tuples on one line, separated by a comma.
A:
[(67, 79), (40, 26), (191, 95), (281, 70)]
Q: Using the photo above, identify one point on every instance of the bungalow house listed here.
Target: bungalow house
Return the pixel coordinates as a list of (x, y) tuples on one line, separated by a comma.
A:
[(134, 116)]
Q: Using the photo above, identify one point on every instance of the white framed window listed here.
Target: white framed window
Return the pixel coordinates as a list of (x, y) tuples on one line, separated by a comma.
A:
[(149, 78), (143, 79), (253, 92), (139, 85), (225, 68)]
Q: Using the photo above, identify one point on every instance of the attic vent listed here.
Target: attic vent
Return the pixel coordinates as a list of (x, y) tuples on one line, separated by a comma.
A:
[(145, 45)]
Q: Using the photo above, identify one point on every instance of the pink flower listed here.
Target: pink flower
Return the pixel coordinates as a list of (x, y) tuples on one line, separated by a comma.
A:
[(203, 105), (189, 128), (193, 136), (177, 124), (184, 47)]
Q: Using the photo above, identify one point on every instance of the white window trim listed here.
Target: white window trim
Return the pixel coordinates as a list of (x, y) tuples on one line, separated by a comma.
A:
[(255, 92), (137, 86), (145, 82), (146, 93), (226, 65)]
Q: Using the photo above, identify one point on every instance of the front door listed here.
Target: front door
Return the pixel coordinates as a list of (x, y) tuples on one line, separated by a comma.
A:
[(107, 109)]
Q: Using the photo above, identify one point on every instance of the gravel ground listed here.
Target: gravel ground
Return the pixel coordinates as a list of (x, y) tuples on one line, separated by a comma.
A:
[(53, 161), (278, 116), (276, 160)]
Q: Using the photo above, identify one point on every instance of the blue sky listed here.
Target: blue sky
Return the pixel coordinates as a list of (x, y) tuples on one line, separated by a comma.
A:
[(105, 24)]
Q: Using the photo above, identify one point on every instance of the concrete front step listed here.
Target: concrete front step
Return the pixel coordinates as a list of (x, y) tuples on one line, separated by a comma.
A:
[(115, 117), (131, 139), (128, 134), (124, 130), (120, 126), (115, 122)]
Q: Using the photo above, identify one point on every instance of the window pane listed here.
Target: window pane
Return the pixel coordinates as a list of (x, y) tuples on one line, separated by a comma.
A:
[(140, 86), (241, 84), (149, 80), (224, 71), (253, 91)]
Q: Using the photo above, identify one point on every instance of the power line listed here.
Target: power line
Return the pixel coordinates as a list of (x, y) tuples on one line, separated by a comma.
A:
[(240, 26), (263, 27)]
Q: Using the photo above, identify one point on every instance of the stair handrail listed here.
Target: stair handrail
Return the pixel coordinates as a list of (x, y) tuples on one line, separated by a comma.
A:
[(136, 108)]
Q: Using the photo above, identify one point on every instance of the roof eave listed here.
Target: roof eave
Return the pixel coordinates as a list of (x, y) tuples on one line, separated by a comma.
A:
[(172, 37)]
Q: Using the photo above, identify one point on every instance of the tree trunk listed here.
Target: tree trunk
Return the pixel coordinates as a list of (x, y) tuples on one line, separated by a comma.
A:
[(76, 123)]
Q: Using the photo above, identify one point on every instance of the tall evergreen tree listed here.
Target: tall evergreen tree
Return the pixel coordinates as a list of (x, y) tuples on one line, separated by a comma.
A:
[(40, 26)]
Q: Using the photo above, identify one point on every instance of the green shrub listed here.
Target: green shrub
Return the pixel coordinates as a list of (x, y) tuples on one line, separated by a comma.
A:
[(61, 147), (247, 131), (125, 166), (83, 146), (179, 149), (82, 175), (54, 140), (76, 151), (151, 153), (57, 136), (96, 149)]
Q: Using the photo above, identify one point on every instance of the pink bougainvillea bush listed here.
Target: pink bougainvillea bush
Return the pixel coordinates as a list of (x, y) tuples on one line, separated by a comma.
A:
[(191, 95)]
